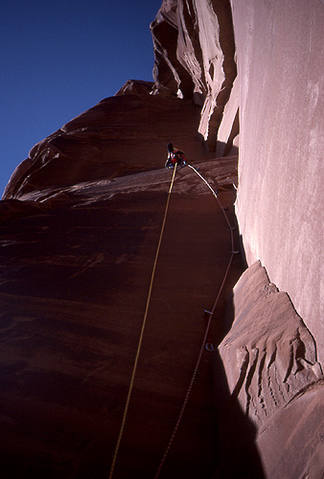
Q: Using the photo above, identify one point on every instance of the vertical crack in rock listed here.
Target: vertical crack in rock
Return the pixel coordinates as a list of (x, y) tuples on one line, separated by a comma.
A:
[(169, 75), (195, 57), (217, 37), (280, 47), (243, 358), (249, 378), (260, 381), (189, 51)]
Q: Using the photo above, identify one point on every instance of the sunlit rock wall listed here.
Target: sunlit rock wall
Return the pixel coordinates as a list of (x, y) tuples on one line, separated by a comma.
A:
[(269, 357), (194, 57), (280, 50)]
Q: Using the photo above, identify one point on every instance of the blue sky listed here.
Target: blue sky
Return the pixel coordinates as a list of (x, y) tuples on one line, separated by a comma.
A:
[(59, 59)]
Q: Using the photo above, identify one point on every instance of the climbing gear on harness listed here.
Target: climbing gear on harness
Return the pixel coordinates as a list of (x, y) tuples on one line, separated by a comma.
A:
[(180, 165), (175, 155)]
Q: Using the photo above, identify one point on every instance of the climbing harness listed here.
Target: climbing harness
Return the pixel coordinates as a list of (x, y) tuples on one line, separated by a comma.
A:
[(148, 300), (203, 344)]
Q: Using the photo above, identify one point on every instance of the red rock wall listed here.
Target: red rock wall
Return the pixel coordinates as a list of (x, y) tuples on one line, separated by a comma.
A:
[(269, 357), (194, 57), (76, 263), (280, 51), (83, 183), (120, 135)]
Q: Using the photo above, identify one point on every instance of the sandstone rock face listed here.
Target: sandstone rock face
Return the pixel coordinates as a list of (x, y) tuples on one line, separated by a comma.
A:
[(75, 269), (227, 137), (272, 370), (136, 87), (194, 56), (120, 135), (170, 76), (280, 49), (79, 226)]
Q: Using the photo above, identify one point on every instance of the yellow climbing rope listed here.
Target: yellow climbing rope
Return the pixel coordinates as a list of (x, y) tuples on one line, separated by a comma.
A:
[(148, 300), (200, 354)]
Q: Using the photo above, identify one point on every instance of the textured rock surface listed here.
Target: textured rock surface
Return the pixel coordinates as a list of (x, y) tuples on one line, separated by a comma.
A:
[(75, 269), (79, 226), (280, 49), (292, 444), (271, 368), (194, 56), (169, 74), (120, 135)]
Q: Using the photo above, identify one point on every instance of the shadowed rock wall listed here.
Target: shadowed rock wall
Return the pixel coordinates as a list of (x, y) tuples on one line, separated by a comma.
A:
[(75, 270)]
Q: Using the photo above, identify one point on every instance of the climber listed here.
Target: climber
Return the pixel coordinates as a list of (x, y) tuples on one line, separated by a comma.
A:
[(175, 155)]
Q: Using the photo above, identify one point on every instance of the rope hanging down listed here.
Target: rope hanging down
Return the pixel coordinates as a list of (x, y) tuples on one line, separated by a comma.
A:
[(211, 313), (231, 228), (148, 300)]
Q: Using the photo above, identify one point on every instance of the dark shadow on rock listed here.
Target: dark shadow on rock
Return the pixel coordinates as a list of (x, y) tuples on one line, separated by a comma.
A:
[(237, 453), (226, 313), (223, 149), (226, 149), (242, 251), (232, 151)]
